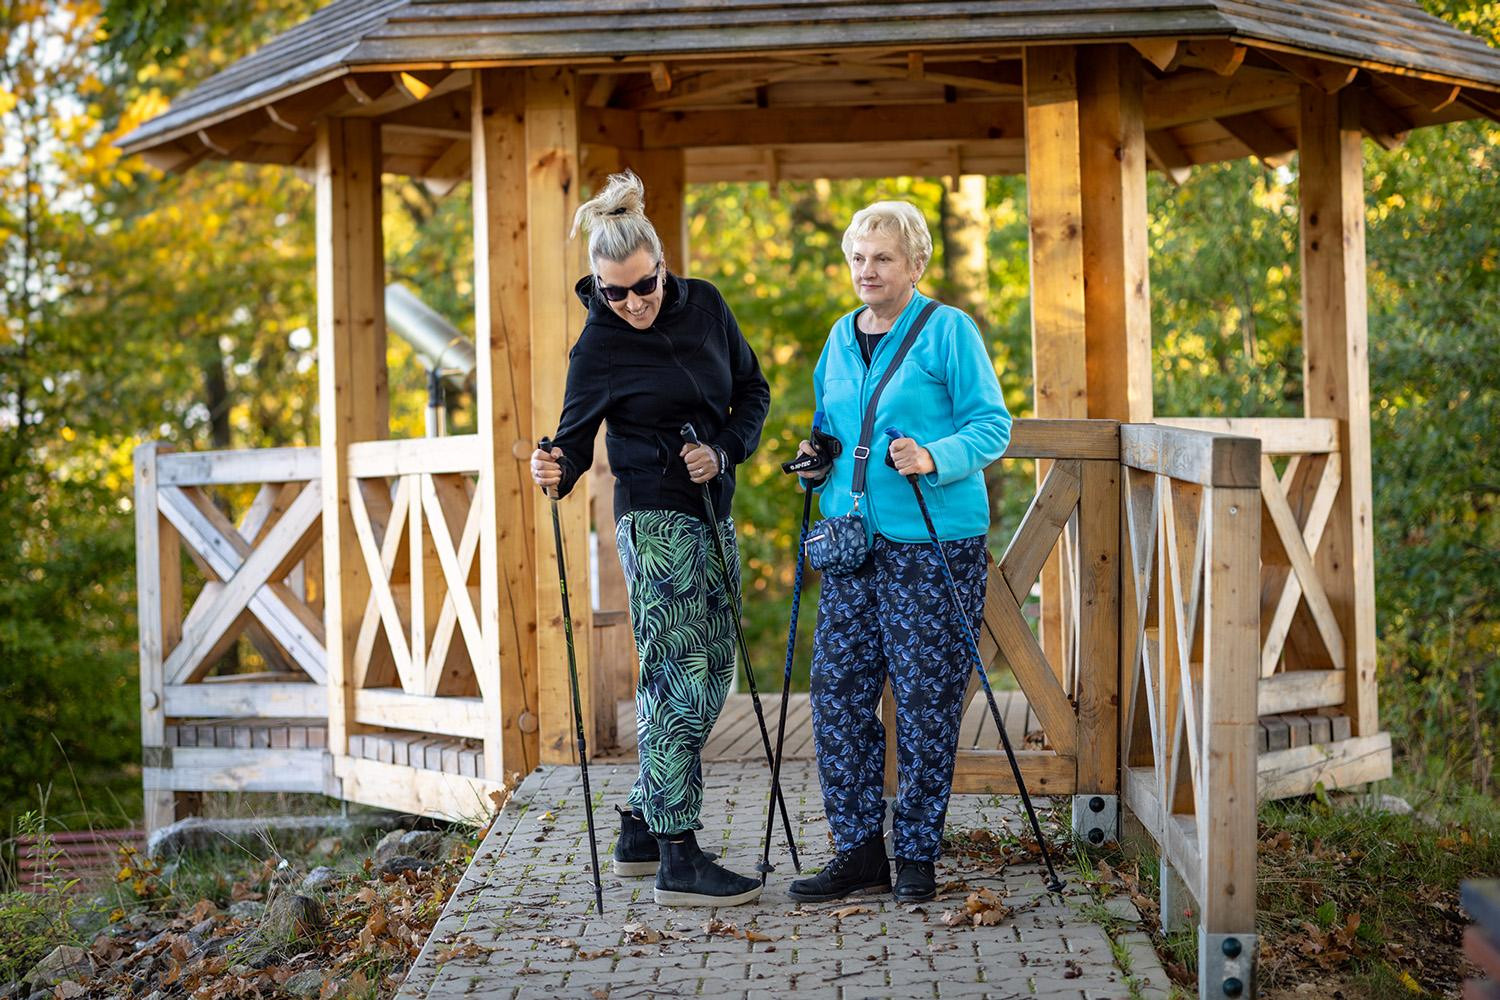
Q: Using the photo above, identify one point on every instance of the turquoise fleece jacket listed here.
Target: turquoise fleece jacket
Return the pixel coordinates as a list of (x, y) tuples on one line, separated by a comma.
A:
[(944, 395)]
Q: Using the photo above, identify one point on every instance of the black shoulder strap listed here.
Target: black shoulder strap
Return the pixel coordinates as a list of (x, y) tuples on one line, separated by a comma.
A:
[(862, 452)]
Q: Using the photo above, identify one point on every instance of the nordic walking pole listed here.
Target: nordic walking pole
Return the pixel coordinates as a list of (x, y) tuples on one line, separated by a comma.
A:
[(583, 757), (690, 435), (799, 464), (1054, 884)]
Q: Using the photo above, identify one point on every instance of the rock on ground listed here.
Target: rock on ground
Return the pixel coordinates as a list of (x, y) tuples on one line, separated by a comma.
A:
[(63, 964)]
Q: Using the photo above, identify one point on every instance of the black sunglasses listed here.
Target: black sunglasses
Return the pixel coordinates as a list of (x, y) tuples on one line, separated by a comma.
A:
[(617, 293)]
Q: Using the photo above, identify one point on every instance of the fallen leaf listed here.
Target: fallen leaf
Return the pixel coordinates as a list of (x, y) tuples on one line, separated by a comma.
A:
[(637, 933), (589, 956), (849, 911)]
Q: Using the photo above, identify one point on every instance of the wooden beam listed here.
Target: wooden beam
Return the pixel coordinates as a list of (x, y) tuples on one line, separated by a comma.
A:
[(552, 182), (227, 137), (1190, 455), (661, 77), (914, 66), (1341, 764), (367, 88), (503, 389), (1167, 156), (1190, 97), (1219, 55), (792, 126), (1385, 125), (352, 398), (1484, 103), (1055, 227), (300, 111), (1429, 95), (1336, 370), (1117, 296), (1260, 137), (1163, 53), (664, 174), (418, 84), (1329, 77)]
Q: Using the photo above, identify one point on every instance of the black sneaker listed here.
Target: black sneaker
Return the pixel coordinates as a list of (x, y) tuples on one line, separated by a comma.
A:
[(915, 882), (686, 876), (861, 869)]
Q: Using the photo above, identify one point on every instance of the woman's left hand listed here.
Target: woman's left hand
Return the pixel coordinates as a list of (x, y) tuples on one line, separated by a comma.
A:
[(702, 462), (911, 458)]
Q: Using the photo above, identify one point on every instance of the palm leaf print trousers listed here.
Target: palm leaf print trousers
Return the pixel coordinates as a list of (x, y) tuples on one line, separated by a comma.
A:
[(684, 632), (893, 617)]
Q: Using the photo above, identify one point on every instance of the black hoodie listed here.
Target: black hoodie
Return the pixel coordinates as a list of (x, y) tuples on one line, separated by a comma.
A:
[(692, 364)]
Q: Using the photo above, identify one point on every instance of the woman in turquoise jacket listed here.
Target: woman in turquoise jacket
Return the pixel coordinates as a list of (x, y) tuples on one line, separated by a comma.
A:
[(892, 616)]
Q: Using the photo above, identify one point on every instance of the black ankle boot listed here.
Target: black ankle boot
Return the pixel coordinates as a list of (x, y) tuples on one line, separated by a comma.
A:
[(861, 869), (686, 876), (915, 881), (636, 853)]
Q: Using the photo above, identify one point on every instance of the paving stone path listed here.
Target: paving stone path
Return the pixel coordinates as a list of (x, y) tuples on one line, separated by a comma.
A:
[(522, 922)]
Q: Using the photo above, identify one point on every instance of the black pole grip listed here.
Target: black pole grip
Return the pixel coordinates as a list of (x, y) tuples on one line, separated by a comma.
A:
[(689, 434)]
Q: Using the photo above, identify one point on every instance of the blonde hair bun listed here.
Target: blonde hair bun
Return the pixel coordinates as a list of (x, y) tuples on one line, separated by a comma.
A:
[(615, 220)]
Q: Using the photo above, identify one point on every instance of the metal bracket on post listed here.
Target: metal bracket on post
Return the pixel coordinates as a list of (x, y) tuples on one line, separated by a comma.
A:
[(1226, 966), (1096, 819)]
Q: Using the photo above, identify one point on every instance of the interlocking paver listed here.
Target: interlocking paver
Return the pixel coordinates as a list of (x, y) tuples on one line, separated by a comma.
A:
[(527, 904)]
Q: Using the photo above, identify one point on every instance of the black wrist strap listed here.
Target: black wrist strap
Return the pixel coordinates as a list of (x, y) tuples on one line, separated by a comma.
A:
[(867, 429)]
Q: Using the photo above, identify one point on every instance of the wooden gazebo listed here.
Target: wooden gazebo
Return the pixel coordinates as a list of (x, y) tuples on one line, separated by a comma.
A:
[(1205, 595)]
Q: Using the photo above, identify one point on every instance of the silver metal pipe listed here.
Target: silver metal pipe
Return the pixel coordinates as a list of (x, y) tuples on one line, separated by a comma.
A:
[(436, 340)]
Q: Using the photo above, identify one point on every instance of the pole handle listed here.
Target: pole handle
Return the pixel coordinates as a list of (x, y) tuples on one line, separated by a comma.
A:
[(689, 433), (894, 433)]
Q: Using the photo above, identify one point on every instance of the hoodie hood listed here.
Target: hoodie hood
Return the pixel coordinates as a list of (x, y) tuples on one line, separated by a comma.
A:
[(673, 298)]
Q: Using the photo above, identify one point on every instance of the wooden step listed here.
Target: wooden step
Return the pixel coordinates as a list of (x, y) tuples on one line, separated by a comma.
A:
[(1283, 732), (420, 750), (295, 734)]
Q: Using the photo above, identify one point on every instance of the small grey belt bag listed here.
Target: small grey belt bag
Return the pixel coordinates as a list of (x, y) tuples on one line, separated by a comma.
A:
[(839, 544)]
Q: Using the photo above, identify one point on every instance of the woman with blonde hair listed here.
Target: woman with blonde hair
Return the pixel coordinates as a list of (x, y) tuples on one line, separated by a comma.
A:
[(921, 367), (658, 351)]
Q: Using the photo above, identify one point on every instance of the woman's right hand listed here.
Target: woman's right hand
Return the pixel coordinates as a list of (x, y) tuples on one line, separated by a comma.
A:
[(804, 447), (545, 470)]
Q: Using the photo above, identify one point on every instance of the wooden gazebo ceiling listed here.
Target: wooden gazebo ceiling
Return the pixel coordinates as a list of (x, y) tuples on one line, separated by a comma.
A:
[(727, 82)]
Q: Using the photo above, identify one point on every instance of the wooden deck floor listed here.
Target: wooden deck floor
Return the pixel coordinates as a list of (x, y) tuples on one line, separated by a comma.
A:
[(737, 736)]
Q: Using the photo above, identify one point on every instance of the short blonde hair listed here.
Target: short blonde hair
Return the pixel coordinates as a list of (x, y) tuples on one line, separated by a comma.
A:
[(616, 222), (898, 219)]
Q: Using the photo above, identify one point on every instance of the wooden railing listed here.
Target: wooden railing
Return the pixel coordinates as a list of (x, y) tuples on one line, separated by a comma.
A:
[(1189, 642), (1307, 676), (262, 581)]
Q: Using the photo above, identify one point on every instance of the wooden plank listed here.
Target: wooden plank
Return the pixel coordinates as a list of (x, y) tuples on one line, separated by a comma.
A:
[(396, 709), (1299, 690), (1277, 435), (1336, 370), (1278, 733), (352, 397), (1117, 295), (1298, 731), (1297, 771), (508, 542), (422, 791), (1190, 455), (382, 590), (1044, 692), (247, 700), (1098, 689), (1328, 77), (1319, 729), (219, 769), (1262, 139), (411, 456), (1281, 588), (551, 144), (1039, 530), (1067, 438), (987, 772), (1189, 97), (1429, 95), (158, 573), (228, 468), (1231, 631), (448, 508)]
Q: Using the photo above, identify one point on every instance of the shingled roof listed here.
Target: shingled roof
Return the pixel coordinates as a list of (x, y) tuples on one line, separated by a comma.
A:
[(1394, 36)]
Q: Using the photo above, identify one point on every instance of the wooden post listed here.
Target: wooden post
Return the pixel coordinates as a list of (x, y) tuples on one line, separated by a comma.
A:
[(1336, 368), (1098, 689), (502, 330), (352, 399), (158, 587), (1231, 646), (552, 178), (665, 175), (1117, 292), (1055, 204)]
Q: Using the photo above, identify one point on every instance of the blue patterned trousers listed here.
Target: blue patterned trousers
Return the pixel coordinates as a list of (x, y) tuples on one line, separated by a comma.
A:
[(893, 617)]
